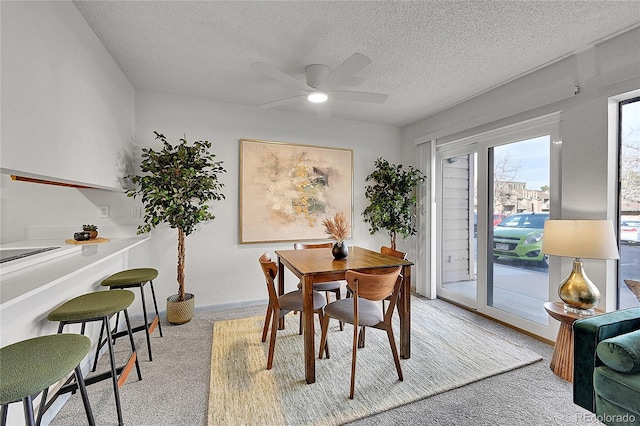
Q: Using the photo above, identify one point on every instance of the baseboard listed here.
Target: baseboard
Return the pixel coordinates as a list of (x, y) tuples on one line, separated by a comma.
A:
[(210, 308), (506, 324), (232, 305)]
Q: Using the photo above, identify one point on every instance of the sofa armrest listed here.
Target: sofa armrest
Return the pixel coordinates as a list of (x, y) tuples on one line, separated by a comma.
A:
[(587, 333)]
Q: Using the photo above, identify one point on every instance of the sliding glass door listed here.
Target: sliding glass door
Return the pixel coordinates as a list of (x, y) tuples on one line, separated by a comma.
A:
[(494, 192), (518, 280)]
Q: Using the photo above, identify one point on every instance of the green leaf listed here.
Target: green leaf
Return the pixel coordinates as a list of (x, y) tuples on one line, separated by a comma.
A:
[(392, 199), (177, 184)]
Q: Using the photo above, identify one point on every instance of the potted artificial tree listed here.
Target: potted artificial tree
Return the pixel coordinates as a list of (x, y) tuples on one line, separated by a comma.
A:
[(178, 183), (392, 199)]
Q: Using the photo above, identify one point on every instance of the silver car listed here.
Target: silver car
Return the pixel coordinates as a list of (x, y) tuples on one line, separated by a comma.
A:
[(630, 231)]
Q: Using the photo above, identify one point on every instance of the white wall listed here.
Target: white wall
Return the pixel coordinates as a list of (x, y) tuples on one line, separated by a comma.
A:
[(588, 178), (26, 208), (67, 109), (219, 270), (68, 115)]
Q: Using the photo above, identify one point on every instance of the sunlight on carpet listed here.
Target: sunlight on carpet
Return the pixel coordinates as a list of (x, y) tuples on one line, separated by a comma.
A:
[(446, 352)]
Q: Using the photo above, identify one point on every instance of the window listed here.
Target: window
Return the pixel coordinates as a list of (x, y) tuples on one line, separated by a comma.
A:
[(629, 199)]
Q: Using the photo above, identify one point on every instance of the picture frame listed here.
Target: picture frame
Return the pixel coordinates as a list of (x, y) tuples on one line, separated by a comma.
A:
[(286, 190)]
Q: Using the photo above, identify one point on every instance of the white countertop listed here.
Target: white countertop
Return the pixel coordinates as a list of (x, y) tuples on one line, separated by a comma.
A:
[(19, 284)]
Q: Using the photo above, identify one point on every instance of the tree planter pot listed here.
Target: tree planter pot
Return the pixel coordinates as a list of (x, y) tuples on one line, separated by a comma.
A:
[(180, 312)]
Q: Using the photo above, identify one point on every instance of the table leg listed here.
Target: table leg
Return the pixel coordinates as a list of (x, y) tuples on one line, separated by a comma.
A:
[(404, 309), (280, 289), (309, 330), (562, 359)]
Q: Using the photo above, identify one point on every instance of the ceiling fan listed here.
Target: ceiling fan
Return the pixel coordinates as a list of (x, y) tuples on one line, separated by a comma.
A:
[(321, 82)]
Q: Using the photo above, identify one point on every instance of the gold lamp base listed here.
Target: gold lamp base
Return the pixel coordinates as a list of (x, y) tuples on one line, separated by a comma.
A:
[(578, 293)]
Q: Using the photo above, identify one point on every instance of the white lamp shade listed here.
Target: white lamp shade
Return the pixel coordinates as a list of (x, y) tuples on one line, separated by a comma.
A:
[(583, 239)]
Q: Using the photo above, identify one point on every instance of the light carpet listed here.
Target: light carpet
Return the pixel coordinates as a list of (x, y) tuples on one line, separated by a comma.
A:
[(446, 352)]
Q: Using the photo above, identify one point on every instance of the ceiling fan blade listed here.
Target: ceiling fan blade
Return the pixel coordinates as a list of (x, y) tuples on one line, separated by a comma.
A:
[(281, 102), (343, 95), (278, 75), (345, 70)]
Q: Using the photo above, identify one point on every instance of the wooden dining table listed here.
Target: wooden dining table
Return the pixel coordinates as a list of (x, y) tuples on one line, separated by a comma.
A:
[(318, 265)]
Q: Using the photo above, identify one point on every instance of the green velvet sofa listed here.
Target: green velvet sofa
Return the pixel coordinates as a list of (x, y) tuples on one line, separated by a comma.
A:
[(606, 366)]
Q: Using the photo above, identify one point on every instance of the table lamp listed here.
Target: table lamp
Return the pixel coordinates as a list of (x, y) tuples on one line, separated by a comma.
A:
[(580, 239)]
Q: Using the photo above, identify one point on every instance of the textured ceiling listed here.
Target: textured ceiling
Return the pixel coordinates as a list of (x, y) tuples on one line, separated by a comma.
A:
[(426, 55)]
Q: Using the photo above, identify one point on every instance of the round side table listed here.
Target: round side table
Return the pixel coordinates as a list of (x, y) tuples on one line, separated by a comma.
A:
[(562, 359)]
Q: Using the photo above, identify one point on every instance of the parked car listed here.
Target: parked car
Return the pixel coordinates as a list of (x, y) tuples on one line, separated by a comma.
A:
[(519, 236), (630, 231), (497, 218)]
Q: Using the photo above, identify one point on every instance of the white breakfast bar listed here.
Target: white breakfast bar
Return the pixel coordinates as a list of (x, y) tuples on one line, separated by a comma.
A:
[(29, 293)]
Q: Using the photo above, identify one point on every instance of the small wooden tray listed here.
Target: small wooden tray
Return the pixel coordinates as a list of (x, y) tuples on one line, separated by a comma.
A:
[(93, 241)]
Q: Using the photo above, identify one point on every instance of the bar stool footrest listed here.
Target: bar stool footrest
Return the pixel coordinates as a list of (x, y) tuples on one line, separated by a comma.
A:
[(152, 326)]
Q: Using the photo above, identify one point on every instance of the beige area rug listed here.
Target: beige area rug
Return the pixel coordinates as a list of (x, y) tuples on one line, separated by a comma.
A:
[(447, 352)]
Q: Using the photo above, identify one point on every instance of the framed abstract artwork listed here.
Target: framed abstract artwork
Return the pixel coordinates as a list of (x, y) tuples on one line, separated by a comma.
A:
[(286, 190)]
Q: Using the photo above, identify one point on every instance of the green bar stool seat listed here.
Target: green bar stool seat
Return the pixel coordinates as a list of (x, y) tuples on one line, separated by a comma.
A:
[(138, 277), (31, 366), (100, 306)]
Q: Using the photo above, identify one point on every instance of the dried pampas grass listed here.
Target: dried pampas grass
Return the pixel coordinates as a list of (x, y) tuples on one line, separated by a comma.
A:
[(337, 228)]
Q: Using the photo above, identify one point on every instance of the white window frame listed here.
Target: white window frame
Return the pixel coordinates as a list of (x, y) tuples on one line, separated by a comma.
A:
[(545, 125)]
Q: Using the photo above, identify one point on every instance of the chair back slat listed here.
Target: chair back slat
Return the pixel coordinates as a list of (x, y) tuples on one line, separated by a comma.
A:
[(270, 270), (391, 252), (301, 246), (372, 287)]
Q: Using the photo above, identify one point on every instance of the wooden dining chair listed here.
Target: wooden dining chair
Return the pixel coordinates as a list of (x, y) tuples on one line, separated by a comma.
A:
[(279, 306), (394, 253), (334, 287), (389, 252), (364, 310)]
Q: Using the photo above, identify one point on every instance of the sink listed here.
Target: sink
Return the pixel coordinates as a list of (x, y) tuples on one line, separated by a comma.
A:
[(15, 258)]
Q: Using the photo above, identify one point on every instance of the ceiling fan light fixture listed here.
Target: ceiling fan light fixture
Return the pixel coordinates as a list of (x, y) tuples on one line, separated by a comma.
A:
[(317, 97)]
